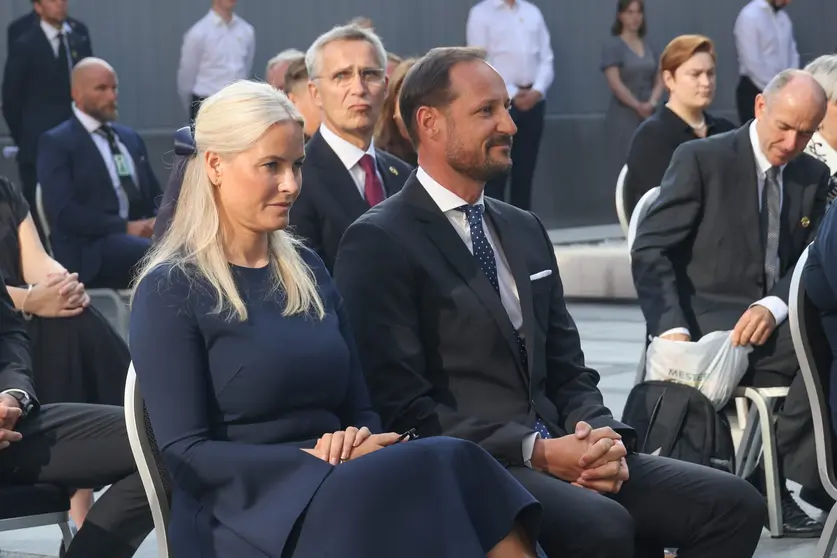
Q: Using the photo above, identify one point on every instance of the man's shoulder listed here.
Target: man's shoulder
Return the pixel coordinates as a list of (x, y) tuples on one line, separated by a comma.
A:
[(61, 132), (125, 131), (808, 167), (521, 219)]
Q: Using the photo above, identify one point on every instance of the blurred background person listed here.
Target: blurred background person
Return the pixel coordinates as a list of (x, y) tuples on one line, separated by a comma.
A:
[(391, 135), (363, 22), (296, 87), (99, 191), (216, 50), (687, 66), (393, 60), (25, 22), (764, 41), (823, 144), (630, 66), (516, 40), (36, 82), (278, 65)]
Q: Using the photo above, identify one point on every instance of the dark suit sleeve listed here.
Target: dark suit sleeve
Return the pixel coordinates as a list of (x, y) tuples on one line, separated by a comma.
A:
[(14, 89), (782, 286), (60, 200), (356, 409), (570, 385), (170, 197), (15, 361), (240, 482), (379, 288), (305, 222), (648, 159), (667, 225)]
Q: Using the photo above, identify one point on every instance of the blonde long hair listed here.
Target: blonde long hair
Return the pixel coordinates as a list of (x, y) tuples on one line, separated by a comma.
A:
[(229, 123)]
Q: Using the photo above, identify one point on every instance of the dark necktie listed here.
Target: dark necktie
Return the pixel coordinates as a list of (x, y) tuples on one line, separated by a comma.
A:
[(484, 255), (373, 190), (126, 179), (771, 203), (65, 63), (832, 188)]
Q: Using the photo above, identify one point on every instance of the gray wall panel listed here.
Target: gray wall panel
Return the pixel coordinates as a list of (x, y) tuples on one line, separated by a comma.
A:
[(142, 40)]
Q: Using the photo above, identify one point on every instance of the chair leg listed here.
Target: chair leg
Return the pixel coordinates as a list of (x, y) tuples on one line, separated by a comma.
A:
[(771, 469), (741, 408), (66, 533), (746, 459), (829, 533)]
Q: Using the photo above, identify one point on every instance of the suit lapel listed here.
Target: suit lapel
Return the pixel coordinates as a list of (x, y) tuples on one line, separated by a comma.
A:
[(745, 192), (511, 244), (792, 194), (389, 173), (447, 241), (91, 153), (336, 177)]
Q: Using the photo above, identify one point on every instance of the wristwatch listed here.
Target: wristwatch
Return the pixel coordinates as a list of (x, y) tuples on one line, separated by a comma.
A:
[(23, 399)]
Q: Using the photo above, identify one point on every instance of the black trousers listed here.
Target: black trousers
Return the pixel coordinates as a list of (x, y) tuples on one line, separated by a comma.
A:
[(745, 99), (666, 504), (524, 155), (85, 446), (193, 108)]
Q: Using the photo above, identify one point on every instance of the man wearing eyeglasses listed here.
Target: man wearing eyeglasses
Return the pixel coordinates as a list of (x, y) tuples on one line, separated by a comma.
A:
[(344, 174)]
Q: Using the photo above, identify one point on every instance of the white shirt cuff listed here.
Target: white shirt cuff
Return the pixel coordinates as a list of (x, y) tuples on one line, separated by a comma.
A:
[(776, 306), (529, 448), (677, 330)]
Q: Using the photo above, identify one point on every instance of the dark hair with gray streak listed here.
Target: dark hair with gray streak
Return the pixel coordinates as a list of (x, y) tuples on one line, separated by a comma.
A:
[(428, 83)]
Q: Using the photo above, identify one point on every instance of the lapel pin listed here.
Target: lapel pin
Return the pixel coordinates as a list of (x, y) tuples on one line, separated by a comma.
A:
[(393, 170), (805, 222)]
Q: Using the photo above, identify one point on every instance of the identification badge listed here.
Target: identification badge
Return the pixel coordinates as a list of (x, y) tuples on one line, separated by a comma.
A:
[(122, 168)]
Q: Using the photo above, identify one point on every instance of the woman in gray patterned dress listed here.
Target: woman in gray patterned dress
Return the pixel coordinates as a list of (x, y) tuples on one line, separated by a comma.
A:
[(630, 66)]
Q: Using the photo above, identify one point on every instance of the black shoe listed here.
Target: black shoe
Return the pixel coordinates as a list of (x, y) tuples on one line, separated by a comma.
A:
[(817, 497), (796, 524)]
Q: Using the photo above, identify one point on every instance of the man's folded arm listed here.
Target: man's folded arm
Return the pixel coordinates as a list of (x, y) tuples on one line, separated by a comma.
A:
[(378, 287)]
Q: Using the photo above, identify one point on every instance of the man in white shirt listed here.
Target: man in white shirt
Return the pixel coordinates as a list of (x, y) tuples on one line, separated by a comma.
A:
[(717, 250), (516, 40), (216, 51), (344, 174), (278, 66), (765, 44), (462, 330)]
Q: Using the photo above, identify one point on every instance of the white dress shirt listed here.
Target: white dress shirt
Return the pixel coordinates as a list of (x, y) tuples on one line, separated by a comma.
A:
[(52, 36), (765, 43), (91, 125), (214, 54), (448, 202), (823, 151), (775, 304), (350, 155), (516, 41)]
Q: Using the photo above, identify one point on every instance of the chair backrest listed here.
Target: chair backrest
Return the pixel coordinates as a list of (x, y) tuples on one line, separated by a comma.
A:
[(155, 477), (640, 211), (41, 216), (814, 356), (621, 212)]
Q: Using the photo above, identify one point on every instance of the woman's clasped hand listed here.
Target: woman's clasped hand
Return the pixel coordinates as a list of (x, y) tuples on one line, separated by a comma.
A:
[(346, 445)]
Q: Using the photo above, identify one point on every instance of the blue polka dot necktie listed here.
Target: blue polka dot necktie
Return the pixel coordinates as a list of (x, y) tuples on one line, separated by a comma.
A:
[(484, 255)]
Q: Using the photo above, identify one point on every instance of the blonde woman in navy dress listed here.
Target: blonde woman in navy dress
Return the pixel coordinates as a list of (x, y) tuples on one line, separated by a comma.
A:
[(254, 390)]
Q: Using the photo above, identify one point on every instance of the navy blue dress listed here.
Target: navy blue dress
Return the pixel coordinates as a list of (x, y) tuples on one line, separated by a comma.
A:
[(233, 402)]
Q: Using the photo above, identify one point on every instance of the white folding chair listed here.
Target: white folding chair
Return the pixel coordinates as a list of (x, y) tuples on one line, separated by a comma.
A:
[(621, 213), (151, 469)]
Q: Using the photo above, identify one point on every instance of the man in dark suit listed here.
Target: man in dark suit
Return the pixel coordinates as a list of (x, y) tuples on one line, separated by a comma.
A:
[(99, 190), (462, 330), (25, 22), (53, 444), (344, 175), (717, 250), (36, 81)]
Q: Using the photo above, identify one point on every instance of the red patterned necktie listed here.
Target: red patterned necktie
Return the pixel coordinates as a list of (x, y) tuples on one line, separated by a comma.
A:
[(373, 190)]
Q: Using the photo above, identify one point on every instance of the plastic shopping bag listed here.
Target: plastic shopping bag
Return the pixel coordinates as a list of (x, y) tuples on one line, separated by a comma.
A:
[(711, 365)]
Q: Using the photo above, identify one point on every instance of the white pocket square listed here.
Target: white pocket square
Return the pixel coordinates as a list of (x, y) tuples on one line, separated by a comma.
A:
[(540, 275)]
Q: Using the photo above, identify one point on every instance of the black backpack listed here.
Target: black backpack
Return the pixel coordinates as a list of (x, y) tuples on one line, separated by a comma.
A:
[(678, 421)]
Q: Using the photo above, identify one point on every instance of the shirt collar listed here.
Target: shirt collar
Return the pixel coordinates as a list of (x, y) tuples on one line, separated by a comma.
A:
[(762, 164), (348, 154), (444, 198), (216, 18), (90, 124), (52, 32)]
